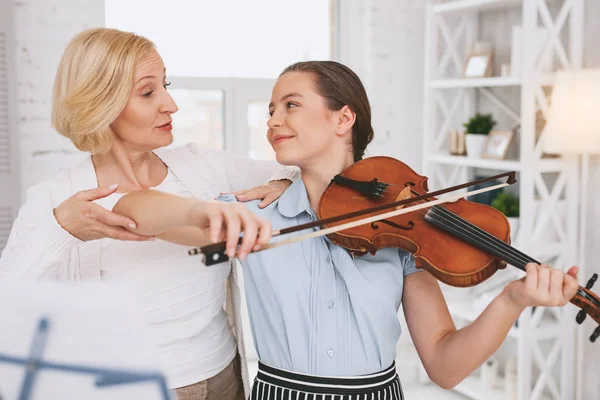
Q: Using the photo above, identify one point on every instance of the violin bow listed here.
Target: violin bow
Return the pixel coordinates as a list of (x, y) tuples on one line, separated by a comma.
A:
[(215, 253)]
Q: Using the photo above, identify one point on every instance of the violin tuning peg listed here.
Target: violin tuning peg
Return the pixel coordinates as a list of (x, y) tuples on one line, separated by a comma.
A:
[(591, 282), (595, 335), (580, 316)]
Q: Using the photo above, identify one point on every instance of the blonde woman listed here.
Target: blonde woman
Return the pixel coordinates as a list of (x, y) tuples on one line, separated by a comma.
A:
[(110, 98)]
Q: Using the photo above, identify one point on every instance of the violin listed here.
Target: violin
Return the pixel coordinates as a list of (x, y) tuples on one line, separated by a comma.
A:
[(461, 243)]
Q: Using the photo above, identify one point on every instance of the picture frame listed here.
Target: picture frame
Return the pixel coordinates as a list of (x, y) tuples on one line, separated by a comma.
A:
[(478, 65), (497, 144)]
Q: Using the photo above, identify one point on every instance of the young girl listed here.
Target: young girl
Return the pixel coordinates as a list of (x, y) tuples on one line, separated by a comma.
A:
[(325, 323)]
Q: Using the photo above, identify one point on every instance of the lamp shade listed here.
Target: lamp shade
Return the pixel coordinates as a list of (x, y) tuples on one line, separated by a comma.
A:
[(573, 125)]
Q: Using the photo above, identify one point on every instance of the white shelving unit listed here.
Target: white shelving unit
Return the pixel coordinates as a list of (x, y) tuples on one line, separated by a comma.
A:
[(544, 339)]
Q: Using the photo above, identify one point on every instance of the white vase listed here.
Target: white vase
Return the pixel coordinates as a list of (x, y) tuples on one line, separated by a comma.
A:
[(475, 143), (514, 228)]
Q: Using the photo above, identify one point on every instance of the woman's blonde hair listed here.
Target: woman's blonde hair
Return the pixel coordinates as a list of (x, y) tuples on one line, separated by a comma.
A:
[(93, 84)]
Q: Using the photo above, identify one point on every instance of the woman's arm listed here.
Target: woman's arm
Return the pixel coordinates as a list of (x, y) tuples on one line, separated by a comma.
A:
[(193, 222), (450, 355)]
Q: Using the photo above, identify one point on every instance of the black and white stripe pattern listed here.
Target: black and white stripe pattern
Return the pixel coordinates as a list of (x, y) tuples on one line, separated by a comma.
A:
[(275, 384)]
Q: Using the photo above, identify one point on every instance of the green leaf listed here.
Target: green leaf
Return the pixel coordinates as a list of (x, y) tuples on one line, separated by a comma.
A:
[(507, 203), (480, 124)]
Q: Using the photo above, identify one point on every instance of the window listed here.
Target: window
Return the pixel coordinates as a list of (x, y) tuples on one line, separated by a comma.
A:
[(200, 110)]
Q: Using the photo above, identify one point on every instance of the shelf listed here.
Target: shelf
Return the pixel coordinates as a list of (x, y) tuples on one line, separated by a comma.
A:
[(474, 5), (543, 165), (495, 81), (506, 165), (473, 388)]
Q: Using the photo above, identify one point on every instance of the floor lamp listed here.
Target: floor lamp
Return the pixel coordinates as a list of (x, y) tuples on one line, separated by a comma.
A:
[(573, 128)]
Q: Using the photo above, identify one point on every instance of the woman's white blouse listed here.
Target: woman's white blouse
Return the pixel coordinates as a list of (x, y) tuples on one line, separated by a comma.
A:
[(181, 299)]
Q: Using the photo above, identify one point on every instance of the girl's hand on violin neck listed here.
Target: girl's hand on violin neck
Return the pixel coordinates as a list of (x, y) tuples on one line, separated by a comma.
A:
[(543, 286), (226, 221)]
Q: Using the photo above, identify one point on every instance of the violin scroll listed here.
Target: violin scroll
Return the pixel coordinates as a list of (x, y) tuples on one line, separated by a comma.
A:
[(589, 303)]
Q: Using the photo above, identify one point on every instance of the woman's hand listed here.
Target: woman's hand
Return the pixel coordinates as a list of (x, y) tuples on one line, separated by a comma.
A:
[(226, 221), (89, 221), (268, 193), (543, 286)]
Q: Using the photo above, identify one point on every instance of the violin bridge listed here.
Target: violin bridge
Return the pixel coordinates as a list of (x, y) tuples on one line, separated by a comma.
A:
[(404, 194)]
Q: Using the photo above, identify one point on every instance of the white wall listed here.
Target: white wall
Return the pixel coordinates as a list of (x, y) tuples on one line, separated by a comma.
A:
[(382, 40), (42, 30)]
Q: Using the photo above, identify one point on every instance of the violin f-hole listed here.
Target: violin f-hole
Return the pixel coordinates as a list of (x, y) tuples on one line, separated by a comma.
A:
[(410, 226)]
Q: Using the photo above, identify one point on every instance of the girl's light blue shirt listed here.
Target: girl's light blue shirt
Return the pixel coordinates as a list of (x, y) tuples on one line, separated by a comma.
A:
[(315, 309)]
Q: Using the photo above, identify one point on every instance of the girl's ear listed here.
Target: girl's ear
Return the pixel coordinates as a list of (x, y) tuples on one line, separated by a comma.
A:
[(345, 120)]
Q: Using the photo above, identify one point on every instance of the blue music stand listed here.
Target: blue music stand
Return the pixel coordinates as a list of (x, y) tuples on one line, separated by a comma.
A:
[(104, 376), (74, 341)]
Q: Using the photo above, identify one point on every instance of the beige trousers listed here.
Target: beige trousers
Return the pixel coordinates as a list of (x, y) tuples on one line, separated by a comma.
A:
[(226, 385)]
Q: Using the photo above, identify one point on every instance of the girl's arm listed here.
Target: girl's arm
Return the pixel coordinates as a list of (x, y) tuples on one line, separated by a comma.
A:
[(193, 222), (450, 355)]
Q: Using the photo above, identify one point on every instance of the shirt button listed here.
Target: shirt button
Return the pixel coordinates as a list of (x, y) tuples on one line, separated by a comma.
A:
[(330, 352), (330, 304), (328, 259)]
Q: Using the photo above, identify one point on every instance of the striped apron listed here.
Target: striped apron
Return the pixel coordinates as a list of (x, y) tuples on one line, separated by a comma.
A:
[(275, 384)]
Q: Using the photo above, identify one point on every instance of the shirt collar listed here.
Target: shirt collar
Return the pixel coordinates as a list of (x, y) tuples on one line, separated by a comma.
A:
[(294, 200)]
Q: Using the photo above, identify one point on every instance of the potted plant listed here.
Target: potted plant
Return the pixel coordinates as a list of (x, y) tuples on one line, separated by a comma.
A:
[(477, 129), (508, 204)]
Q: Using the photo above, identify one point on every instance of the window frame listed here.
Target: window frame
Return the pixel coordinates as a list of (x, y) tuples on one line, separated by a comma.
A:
[(237, 93)]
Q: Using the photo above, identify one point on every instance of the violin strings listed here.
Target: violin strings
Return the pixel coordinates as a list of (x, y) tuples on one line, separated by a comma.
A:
[(521, 257), (471, 231), (468, 229)]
